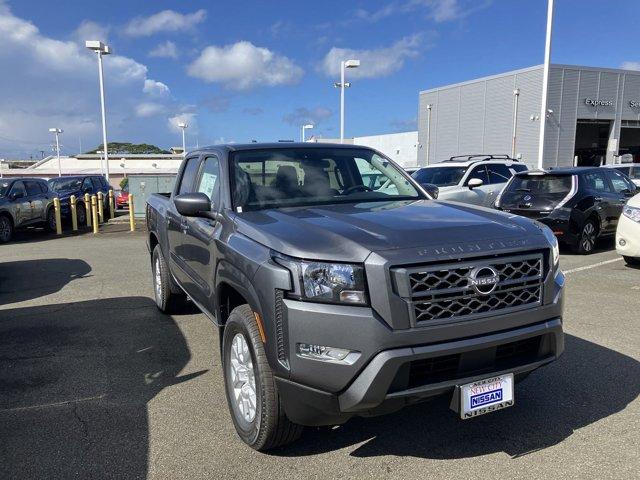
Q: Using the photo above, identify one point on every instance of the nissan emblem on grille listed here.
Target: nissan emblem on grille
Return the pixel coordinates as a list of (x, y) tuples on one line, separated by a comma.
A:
[(483, 280)]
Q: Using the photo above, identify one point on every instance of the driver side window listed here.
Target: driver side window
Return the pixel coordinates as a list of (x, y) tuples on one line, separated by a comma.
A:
[(209, 182), (87, 185), (620, 183), (479, 172), (18, 190)]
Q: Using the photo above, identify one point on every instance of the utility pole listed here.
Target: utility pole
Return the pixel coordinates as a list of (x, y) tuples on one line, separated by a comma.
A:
[(545, 84)]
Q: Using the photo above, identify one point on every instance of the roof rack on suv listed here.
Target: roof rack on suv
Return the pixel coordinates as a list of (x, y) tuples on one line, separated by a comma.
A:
[(478, 157)]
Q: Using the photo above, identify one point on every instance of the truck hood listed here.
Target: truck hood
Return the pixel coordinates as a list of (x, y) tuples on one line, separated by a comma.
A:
[(350, 232)]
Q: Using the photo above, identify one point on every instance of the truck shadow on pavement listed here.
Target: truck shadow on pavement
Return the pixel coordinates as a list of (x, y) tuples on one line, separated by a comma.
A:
[(75, 381), (588, 383), (28, 279)]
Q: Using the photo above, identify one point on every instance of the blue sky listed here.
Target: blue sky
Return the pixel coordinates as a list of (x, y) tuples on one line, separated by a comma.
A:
[(246, 70)]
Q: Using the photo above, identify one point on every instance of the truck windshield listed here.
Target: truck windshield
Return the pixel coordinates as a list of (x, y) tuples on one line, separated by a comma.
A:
[(4, 188), (271, 178), (62, 184), (440, 176)]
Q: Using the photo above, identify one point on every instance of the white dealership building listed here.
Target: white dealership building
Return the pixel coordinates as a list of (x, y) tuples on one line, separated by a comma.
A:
[(593, 117)]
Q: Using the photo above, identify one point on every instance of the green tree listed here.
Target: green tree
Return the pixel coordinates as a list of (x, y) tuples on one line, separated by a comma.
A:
[(124, 183), (124, 148)]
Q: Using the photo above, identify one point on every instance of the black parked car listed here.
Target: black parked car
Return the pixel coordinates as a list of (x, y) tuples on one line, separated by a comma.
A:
[(78, 186), (578, 204)]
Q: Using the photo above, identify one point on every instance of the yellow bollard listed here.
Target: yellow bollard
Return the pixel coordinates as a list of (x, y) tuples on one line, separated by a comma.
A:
[(87, 208), (101, 206), (94, 213), (56, 207), (111, 204), (132, 220), (74, 213)]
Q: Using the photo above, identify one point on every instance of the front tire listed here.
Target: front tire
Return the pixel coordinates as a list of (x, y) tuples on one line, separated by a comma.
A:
[(81, 215), (6, 229), (588, 236), (168, 300), (252, 394), (632, 261)]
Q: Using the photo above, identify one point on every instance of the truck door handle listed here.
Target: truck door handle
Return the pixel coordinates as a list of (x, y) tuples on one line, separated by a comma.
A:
[(598, 199)]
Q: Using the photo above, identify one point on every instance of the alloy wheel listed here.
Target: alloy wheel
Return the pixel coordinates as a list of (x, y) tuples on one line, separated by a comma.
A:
[(243, 380), (157, 283), (588, 239)]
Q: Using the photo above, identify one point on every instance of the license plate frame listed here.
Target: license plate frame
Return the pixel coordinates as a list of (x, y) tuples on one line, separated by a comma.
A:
[(486, 395)]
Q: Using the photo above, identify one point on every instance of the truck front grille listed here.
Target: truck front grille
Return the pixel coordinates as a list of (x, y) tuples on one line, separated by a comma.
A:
[(442, 292)]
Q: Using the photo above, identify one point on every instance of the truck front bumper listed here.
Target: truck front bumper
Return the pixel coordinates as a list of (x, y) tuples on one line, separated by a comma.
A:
[(401, 376)]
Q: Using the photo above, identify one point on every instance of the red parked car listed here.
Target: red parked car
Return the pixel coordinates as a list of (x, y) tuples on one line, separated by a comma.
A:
[(122, 199)]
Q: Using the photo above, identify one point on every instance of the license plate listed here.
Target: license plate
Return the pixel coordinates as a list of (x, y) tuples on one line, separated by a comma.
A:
[(486, 396)]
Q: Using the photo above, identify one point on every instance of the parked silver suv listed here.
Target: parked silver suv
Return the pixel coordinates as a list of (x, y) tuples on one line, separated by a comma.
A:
[(475, 179)]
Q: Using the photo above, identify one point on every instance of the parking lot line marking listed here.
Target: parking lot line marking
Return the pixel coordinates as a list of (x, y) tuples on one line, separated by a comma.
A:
[(588, 267), (56, 404)]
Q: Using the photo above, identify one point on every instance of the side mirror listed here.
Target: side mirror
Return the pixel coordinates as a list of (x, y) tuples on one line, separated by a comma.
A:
[(193, 204), (17, 195), (431, 189), (474, 183)]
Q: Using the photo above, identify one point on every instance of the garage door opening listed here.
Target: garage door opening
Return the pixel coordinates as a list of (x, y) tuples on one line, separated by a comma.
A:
[(630, 139), (592, 138)]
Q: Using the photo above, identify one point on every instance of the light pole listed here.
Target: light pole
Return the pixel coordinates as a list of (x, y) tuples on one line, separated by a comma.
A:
[(102, 49), (305, 127), (183, 126), (123, 166), (342, 85), (57, 132), (545, 84), (429, 107), (516, 96)]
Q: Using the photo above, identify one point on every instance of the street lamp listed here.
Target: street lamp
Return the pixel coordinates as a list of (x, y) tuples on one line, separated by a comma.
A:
[(57, 132), (342, 85), (305, 127), (123, 166), (183, 126), (102, 49)]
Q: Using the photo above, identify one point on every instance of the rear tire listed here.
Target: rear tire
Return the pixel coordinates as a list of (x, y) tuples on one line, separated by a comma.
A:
[(6, 229), (632, 261), (588, 237), (252, 394), (168, 300), (51, 220)]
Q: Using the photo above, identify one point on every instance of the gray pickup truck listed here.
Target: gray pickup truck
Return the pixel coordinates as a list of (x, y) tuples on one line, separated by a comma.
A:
[(333, 299)]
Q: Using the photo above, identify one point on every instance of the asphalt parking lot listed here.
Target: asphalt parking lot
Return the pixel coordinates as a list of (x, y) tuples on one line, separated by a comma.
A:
[(95, 382)]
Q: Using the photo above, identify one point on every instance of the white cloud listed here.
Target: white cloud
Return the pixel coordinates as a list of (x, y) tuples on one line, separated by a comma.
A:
[(377, 62), (162, 22), (90, 30), (437, 10), (155, 88), (302, 115), (167, 49), (630, 65), (150, 109), (189, 118), (243, 65), (56, 84)]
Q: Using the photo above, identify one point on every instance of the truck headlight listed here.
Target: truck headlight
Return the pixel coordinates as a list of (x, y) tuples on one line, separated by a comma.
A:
[(326, 282), (553, 241), (632, 212)]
